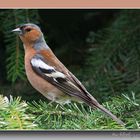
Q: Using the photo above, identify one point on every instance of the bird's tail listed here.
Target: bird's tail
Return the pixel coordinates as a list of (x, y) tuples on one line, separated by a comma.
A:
[(94, 103), (109, 113)]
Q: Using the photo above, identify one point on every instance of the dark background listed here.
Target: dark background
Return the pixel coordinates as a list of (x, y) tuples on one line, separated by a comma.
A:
[(101, 47)]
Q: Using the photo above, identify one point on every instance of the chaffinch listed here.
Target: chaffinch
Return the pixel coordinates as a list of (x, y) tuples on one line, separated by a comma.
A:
[(48, 75)]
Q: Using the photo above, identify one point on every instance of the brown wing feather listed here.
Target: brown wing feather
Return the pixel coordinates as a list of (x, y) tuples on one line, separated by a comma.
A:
[(53, 61), (66, 84), (80, 91)]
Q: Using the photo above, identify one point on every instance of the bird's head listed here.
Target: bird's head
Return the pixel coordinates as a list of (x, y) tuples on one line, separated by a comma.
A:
[(29, 33)]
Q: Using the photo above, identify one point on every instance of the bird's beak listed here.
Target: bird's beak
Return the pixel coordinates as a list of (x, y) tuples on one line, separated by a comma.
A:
[(17, 30)]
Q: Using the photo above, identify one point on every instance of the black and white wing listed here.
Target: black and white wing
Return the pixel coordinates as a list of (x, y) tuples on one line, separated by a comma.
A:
[(57, 78), (68, 84)]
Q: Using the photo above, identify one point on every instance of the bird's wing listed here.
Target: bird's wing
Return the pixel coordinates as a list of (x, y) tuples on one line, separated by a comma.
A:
[(69, 84)]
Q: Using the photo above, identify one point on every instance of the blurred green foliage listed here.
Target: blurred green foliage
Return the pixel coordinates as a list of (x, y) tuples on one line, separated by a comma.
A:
[(114, 59), (14, 50)]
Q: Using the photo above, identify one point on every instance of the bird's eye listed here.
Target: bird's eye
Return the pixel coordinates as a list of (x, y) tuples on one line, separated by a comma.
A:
[(28, 29)]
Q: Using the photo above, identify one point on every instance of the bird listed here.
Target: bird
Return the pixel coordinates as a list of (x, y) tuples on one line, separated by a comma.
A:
[(48, 75)]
